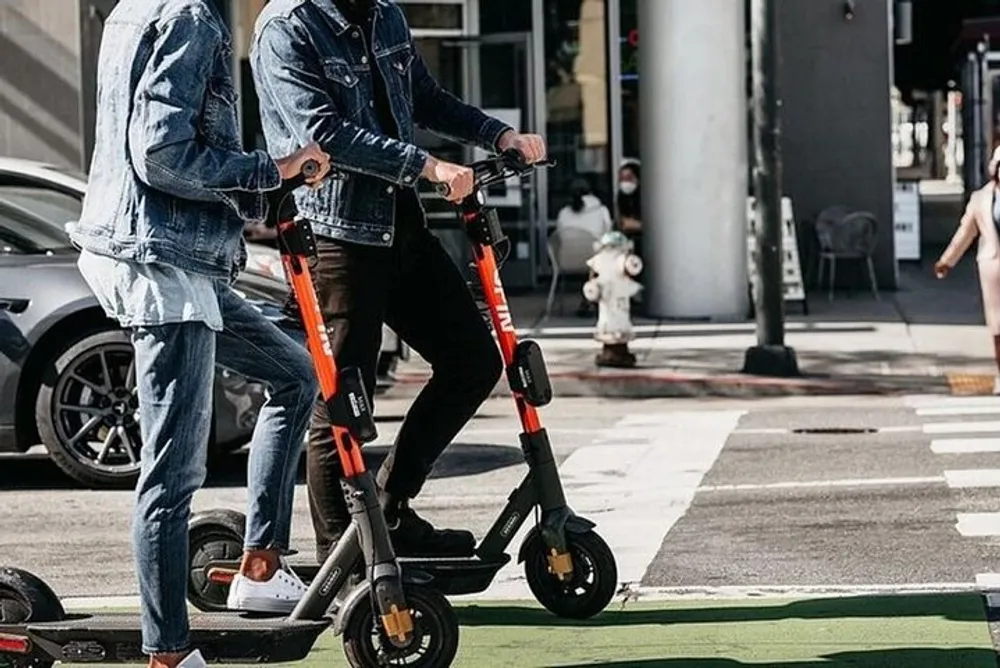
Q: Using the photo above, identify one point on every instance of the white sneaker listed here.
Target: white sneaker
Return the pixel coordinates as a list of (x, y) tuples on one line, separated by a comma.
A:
[(996, 385), (279, 595), (193, 660)]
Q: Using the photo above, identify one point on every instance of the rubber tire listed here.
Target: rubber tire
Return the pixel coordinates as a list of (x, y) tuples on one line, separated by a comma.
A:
[(432, 605), (25, 598), (546, 588), (222, 537), (46, 427)]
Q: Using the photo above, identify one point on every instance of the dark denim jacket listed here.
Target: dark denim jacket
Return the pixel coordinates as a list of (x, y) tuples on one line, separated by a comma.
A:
[(169, 181), (315, 83)]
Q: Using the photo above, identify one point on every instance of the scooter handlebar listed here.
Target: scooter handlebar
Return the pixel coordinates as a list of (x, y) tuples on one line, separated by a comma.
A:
[(276, 198), (497, 168)]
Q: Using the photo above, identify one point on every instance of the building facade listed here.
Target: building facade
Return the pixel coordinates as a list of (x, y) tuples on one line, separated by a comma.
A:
[(573, 70)]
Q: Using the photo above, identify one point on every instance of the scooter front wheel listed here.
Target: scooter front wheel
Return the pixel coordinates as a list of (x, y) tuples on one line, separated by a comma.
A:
[(435, 633), (25, 598), (212, 536), (591, 586)]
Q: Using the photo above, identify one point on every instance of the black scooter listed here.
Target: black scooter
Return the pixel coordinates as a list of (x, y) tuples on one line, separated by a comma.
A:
[(569, 568), (385, 619)]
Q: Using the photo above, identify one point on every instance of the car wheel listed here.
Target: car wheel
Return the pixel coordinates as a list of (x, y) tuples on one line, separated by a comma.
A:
[(87, 411)]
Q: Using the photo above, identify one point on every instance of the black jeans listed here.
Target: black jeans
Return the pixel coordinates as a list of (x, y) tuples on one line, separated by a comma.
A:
[(417, 289)]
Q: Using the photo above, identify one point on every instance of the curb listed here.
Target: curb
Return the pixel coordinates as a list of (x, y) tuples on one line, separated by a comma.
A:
[(659, 384)]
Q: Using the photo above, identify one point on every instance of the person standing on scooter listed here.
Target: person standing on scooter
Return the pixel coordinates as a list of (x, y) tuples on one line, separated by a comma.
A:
[(346, 74), (161, 239)]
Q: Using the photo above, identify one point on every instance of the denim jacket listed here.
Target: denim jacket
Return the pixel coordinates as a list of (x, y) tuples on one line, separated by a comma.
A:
[(169, 181), (315, 83)]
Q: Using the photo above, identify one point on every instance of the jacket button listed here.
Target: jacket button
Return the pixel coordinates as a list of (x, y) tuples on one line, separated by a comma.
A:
[(389, 190), (386, 236), (407, 179), (355, 34), (364, 59)]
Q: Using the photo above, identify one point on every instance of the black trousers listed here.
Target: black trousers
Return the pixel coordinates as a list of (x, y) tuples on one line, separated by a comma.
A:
[(417, 289)]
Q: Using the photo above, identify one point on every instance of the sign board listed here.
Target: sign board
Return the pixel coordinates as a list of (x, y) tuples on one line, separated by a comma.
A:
[(906, 220), (793, 286)]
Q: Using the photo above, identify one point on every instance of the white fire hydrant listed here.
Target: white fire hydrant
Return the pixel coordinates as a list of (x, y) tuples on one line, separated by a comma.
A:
[(612, 287)]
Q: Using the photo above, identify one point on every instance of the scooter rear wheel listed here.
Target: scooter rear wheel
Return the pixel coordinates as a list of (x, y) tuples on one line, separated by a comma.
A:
[(220, 539), (590, 588), (435, 633), (25, 598)]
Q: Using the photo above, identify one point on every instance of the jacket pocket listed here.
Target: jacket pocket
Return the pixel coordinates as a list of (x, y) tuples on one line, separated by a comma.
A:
[(344, 86)]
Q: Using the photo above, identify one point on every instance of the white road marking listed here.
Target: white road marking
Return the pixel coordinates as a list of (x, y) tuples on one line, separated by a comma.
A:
[(936, 400), (634, 493), (973, 478), (978, 524), (959, 410), (960, 446), (802, 591), (101, 603), (962, 427), (813, 484), (989, 583)]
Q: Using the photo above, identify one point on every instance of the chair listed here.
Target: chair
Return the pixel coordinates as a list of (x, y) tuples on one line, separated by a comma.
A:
[(845, 235), (569, 248)]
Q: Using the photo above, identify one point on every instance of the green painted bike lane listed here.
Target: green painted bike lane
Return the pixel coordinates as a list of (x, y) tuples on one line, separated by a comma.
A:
[(912, 631)]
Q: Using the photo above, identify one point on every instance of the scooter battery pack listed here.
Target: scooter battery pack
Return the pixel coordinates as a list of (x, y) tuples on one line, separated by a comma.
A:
[(528, 376), (350, 407)]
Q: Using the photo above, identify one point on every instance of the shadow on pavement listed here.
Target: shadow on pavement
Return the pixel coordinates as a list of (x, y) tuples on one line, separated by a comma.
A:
[(957, 607), (460, 459), (909, 657)]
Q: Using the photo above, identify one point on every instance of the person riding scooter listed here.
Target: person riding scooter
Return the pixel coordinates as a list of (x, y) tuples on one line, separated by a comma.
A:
[(161, 238), (347, 75)]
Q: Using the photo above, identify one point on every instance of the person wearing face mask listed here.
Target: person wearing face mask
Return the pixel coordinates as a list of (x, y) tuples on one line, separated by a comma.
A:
[(629, 197), (585, 212), (981, 219)]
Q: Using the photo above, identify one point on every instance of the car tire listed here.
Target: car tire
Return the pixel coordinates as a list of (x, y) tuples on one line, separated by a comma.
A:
[(75, 401)]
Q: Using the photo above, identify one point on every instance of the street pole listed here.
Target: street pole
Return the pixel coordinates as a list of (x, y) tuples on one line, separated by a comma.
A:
[(770, 357)]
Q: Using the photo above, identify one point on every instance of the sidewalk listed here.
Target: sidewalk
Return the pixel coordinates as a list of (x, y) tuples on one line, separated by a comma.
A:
[(928, 337)]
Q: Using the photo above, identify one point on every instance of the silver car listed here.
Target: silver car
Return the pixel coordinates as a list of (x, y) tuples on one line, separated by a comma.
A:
[(66, 370)]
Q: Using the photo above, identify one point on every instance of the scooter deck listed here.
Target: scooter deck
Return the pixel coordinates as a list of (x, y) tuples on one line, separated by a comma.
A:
[(451, 576), (221, 637)]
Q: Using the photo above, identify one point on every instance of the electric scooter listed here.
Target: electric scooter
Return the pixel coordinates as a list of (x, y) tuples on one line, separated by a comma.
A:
[(385, 618), (568, 566)]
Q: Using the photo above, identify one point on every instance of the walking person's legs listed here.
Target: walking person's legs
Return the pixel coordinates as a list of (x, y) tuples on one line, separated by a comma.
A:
[(257, 349), (174, 367)]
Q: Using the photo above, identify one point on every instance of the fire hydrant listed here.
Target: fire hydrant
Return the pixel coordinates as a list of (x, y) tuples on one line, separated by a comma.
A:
[(612, 287)]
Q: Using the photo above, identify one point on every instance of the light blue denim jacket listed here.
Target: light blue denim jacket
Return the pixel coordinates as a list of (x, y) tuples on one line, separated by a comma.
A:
[(315, 83), (169, 181)]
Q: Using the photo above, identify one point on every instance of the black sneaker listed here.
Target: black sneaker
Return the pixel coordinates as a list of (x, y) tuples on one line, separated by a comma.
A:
[(413, 536)]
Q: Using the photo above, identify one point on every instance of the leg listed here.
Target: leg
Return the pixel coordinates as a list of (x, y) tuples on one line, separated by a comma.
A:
[(174, 375), (871, 277), (255, 348), (431, 308), (833, 275), (350, 282)]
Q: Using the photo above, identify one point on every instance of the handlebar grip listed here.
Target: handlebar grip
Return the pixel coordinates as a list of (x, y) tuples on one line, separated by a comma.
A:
[(309, 168), (442, 189)]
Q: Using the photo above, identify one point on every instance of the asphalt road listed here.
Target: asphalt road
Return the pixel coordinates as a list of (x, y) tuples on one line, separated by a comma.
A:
[(693, 496)]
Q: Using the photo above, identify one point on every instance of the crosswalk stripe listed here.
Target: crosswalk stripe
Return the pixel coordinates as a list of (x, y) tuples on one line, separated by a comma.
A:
[(978, 524), (635, 481), (973, 478), (961, 427), (963, 446), (993, 409), (933, 400)]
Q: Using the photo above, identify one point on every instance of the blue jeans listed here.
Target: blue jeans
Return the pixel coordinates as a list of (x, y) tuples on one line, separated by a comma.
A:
[(175, 369)]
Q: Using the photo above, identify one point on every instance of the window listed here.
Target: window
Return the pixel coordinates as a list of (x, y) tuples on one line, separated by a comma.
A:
[(33, 218)]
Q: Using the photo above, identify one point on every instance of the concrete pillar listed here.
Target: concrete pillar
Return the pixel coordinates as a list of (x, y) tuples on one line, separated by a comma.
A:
[(693, 121)]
